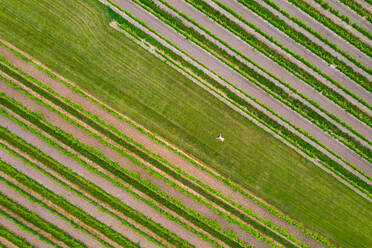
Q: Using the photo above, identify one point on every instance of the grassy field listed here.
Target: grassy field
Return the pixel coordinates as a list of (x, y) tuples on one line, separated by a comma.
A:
[(74, 39)]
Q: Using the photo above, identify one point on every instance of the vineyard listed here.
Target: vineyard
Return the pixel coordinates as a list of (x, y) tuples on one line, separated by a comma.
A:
[(186, 123)]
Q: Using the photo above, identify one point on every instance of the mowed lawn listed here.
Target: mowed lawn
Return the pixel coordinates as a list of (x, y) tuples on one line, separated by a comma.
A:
[(73, 38)]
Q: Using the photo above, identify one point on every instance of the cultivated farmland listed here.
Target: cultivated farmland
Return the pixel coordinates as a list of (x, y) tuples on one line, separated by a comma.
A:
[(185, 123)]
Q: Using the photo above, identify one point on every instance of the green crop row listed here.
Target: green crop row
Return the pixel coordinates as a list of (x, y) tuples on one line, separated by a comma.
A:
[(68, 187), (306, 7), (325, 5), (245, 104), (13, 238), (97, 193), (281, 59), (34, 218), (226, 181), (358, 8), (48, 208), (131, 178), (154, 160), (289, 100), (105, 176), (22, 226), (248, 72), (308, 43)]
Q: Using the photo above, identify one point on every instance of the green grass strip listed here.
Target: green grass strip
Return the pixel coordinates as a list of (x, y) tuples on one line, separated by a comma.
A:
[(13, 238), (358, 8)]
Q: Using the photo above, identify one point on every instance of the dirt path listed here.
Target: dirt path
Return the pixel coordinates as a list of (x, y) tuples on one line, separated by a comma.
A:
[(48, 216), (30, 237), (156, 148), (83, 204), (104, 184), (243, 84), (323, 30)]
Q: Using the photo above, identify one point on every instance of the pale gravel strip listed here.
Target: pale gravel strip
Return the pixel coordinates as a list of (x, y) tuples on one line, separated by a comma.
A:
[(243, 84), (158, 149), (263, 73), (75, 200), (124, 162), (305, 53), (353, 15), (48, 216), (30, 237), (114, 190), (364, 4), (323, 30)]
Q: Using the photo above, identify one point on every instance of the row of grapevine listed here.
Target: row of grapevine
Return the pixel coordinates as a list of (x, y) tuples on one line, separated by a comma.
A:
[(114, 135), (294, 103), (308, 43), (223, 180), (132, 179), (243, 100), (94, 191), (325, 5), (310, 10), (91, 121), (280, 59), (52, 175)]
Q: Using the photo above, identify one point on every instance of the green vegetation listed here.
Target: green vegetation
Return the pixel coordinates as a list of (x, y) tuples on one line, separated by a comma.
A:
[(363, 47), (95, 61), (13, 238)]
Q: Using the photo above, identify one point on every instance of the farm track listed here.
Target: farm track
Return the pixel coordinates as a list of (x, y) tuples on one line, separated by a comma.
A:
[(161, 184), (315, 60), (241, 83), (156, 148), (325, 31), (190, 12), (89, 208)]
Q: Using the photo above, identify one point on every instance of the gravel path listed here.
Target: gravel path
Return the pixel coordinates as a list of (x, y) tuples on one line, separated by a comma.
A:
[(30, 237), (159, 149), (103, 184), (48, 216), (323, 30), (88, 207), (242, 83), (304, 52)]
